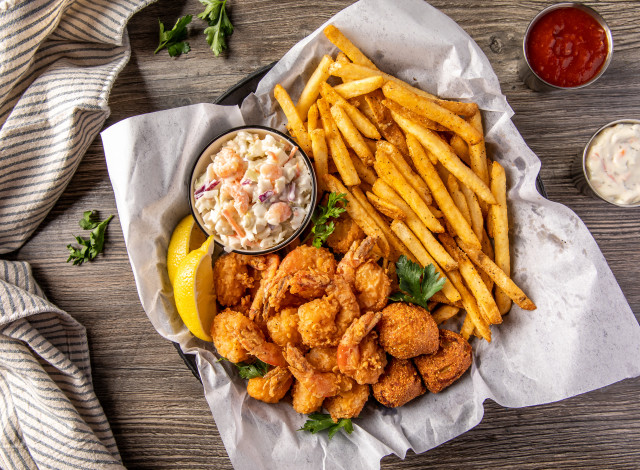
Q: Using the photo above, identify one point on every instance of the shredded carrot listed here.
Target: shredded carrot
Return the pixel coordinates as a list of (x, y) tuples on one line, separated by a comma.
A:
[(229, 216)]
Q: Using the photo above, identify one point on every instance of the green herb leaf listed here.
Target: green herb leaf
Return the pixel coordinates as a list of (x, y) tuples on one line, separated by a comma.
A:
[(220, 26), (322, 227), (319, 422), (90, 248), (417, 285), (173, 40), (251, 371)]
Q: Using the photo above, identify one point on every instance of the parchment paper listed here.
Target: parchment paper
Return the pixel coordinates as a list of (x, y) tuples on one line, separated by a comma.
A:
[(582, 336)]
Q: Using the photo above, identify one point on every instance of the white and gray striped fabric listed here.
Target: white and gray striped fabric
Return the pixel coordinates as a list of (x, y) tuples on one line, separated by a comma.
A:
[(49, 414), (58, 61)]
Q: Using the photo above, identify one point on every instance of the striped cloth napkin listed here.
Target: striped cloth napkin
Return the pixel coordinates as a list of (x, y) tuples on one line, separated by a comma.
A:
[(58, 61)]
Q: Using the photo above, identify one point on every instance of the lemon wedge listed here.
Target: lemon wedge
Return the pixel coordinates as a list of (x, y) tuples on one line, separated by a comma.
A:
[(186, 237), (194, 292)]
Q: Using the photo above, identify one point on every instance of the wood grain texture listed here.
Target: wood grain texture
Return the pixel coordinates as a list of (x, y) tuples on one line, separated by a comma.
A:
[(159, 416)]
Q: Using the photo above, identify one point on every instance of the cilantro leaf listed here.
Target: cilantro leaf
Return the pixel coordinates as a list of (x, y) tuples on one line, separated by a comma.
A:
[(220, 26), (319, 422), (322, 226), (417, 285), (249, 371), (173, 40), (90, 248)]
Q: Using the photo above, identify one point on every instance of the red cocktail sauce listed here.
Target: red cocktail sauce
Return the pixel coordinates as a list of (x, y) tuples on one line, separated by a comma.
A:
[(567, 47)]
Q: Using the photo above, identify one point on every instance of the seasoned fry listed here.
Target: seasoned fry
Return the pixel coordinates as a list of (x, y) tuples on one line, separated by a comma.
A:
[(312, 118), (440, 298), (474, 211), (500, 226), (392, 176), (320, 154), (414, 180), (471, 306), (422, 120), (352, 135), (386, 192), (359, 214), (461, 148), (387, 208), (458, 198), (342, 58), (431, 110), (467, 327), (439, 192), (487, 304), (334, 35), (359, 87), (382, 118), (432, 142), (409, 239), (312, 88), (478, 152), (339, 152), (444, 312), (357, 71), (366, 174), (359, 120), (295, 122)]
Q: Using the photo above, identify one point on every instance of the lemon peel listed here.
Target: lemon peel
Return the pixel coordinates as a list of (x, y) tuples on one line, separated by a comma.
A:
[(186, 237)]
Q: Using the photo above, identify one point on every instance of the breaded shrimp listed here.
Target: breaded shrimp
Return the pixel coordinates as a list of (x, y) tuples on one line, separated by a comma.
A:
[(283, 328), (252, 339), (231, 278), (272, 386), (303, 400), (346, 232), (319, 384), (358, 254), (407, 331), (224, 338), (359, 355), (373, 286), (349, 403), (399, 384)]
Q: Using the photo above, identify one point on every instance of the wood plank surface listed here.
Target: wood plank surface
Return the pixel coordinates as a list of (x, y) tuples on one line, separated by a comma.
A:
[(156, 407)]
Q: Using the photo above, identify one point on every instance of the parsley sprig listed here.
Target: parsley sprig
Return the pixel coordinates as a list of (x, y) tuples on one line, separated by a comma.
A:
[(417, 285), (319, 422), (322, 226), (220, 26), (89, 248), (249, 371), (174, 39)]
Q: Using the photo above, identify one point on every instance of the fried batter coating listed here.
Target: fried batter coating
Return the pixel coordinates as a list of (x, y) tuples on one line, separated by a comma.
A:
[(407, 331), (283, 328), (359, 354), (441, 369), (373, 286), (224, 338), (319, 384), (347, 404), (399, 384), (323, 359), (272, 386), (346, 232), (303, 400), (231, 278)]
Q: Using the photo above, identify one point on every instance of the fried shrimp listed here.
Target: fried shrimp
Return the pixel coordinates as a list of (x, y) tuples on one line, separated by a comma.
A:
[(232, 277), (303, 400), (345, 233), (348, 403), (272, 386), (373, 286), (359, 355), (283, 328), (407, 331), (224, 338), (358, 254), (252, 339), (318, 384)]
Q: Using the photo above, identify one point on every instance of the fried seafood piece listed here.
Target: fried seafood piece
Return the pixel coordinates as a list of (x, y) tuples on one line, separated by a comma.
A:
[(358, 254), (407, 331), (319, 384), (266, 267), (322, 322), (272, 386), (441, 369), (399, 384), (360, 357), (348, 403), (324, 359), (231, 278), (373, 286), (303, 400), (283, 327), (224, 338), (346, 232)]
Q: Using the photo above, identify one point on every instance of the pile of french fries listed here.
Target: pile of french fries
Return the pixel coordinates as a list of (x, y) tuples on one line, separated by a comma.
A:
[(416, 176)]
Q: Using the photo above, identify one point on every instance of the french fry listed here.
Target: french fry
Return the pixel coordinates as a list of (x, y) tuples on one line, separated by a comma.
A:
[(295, 122), (366, 174), (500, 226), (320, 154), (475, 212), (401, 164), (334, 35), (487, 249), (467, 327), (410, 240), (359, 87), (387, 193), (351, 71), (420, 119), (437, 213), (477, 151), (433, 111), (471, 306), (342, 58), (383, 120), (458, 198), (486, 303), (443, 313), (339, 152), (311, 90), (432, 142), (439, 192), (394, 241), (363, 124), (312, 118), (440, 298), (352, 136), (461, 148), (386, 208), (499, 277), (392, 176), (359, 214)]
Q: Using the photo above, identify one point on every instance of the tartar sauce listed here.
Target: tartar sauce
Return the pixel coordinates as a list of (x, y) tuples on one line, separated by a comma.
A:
[(613, 163)]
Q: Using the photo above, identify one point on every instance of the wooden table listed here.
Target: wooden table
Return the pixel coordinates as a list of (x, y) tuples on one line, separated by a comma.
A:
[(156, 407)]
